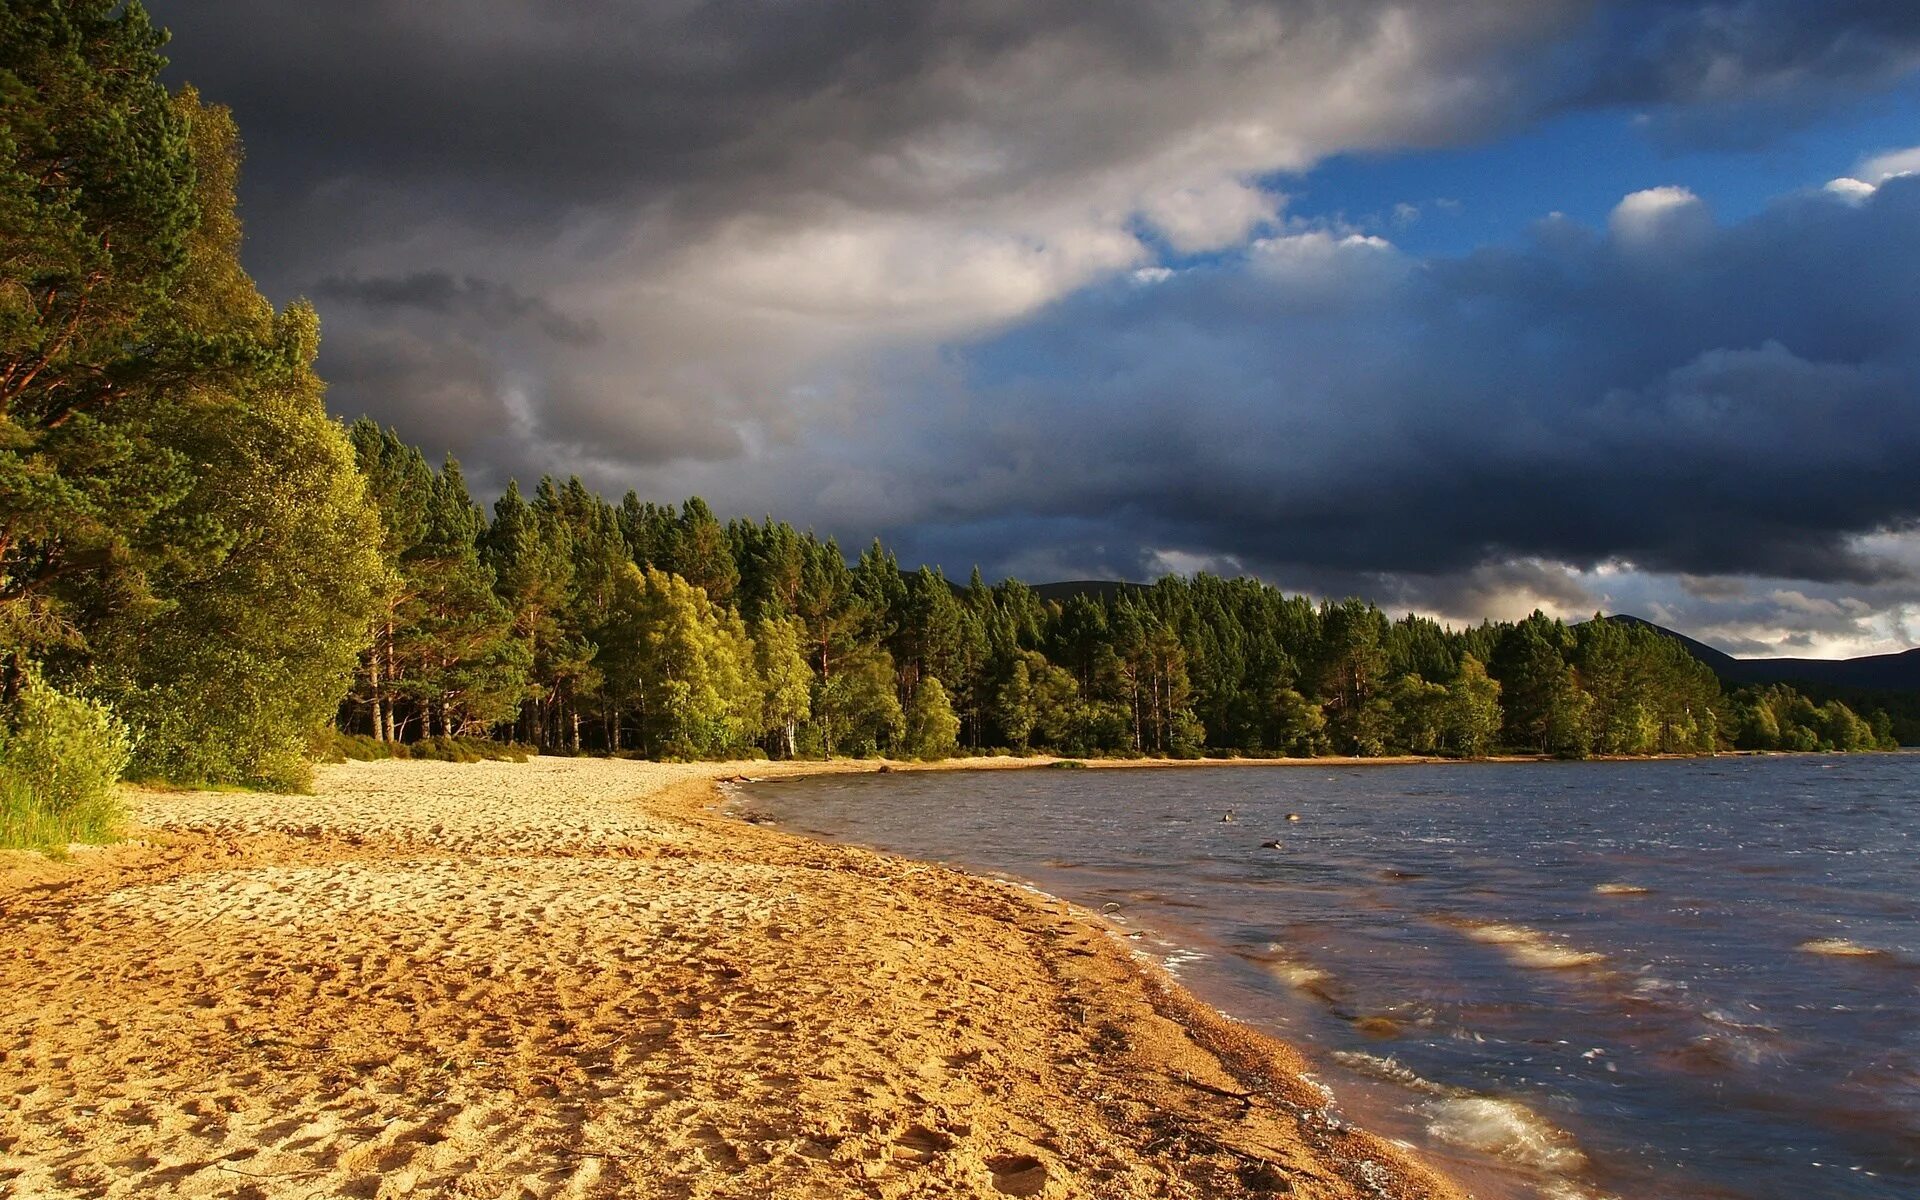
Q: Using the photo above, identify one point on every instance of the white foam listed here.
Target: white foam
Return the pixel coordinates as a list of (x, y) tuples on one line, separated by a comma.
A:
[(1391, 1071), (1299, 975), (1506, 1129), (1532, 948), (1174, 961), (1550, 957)]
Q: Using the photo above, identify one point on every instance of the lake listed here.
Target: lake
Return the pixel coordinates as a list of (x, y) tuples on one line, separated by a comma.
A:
[(1683, 979)]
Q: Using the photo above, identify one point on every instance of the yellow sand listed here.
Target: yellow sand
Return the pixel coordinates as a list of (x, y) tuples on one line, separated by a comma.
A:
[(570, 978)]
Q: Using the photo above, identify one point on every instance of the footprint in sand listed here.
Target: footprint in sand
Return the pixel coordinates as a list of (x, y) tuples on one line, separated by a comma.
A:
[(1018, 1174), (921, 1145)]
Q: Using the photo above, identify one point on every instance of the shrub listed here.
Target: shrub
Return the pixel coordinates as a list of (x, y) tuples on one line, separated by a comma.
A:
[(60, 759), (334, 746)]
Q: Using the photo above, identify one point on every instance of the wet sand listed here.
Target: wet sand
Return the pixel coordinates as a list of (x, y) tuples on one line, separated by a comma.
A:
[(575, 978)]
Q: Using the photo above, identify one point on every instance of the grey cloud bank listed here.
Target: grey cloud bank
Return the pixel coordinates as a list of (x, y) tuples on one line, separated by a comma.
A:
[(867, 265)]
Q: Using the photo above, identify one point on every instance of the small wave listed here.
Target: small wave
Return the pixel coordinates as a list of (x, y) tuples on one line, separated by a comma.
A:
[(1620, 889), (1839, 947), (1303, 976), (1532, 948), (1390, 1071), (1175, 961), (1506, 1129), (1727, 1020)]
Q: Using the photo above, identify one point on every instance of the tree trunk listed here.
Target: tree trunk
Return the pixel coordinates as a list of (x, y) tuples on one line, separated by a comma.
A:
[(373, 690), (393, 676)]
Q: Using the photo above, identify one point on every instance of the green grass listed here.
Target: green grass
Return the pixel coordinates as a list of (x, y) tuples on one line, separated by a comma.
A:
[(28, 824)]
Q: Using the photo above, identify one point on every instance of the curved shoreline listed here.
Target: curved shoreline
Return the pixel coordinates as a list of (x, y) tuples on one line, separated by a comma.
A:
[(1267, 1070), (575, 978)]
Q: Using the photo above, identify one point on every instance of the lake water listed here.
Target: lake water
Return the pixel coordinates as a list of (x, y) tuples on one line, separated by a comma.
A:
[(1686, 979)]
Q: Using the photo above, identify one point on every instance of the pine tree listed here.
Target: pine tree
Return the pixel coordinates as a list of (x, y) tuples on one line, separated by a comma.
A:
[(102, 217), (702, 554)]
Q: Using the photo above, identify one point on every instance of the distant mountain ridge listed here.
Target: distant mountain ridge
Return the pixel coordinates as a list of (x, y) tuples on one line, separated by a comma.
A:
[(1876, 672)]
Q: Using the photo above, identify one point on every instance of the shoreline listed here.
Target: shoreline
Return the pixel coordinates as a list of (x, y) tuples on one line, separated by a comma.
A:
[(1268, 1069), (578, 978)]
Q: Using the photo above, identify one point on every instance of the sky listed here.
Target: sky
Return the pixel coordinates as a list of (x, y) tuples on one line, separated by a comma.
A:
[(1468, 307)]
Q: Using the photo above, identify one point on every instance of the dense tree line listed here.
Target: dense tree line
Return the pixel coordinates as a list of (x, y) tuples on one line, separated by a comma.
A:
[(184, 538), (572, 623), (201, 572)]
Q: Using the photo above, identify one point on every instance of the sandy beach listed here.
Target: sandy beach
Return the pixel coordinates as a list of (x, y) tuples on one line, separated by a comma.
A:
[(575, 978)]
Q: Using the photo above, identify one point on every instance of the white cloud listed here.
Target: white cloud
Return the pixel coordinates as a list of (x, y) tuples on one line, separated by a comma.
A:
[(888, 273), (1326, 265), (1852, 190), (1659, 216), (1212, 215), (1880, 168), (1872, 172)]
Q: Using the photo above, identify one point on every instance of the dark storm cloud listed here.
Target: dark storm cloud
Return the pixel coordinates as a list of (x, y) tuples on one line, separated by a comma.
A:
[(495, 304), (1739, 401), (506, 110), (1730, 51), (680, 244)]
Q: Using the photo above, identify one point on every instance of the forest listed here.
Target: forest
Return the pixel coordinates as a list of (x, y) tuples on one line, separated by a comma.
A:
[(206, 578), (566, 622)]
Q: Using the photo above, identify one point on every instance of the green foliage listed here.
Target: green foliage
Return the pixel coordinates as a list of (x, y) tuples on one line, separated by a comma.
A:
[(1472, 714), (444, 657), (1015, 709), (1299, 726), (255, 644), (786, 682), (1778, 718), (182, 531), (682, 667), (856, 710), (61, 758), (1420, 713), (98, 204), (838, 655), (932, 729)]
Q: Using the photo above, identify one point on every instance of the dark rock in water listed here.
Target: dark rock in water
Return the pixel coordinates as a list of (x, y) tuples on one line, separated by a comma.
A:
[(885, 769), (1271, 846), (756, 818)]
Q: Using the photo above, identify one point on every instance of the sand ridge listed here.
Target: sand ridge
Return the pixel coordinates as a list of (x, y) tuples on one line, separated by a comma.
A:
[(573, 978)]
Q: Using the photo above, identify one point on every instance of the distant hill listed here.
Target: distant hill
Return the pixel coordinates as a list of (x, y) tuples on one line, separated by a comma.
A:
[(1873, 672), (1101, 589)]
